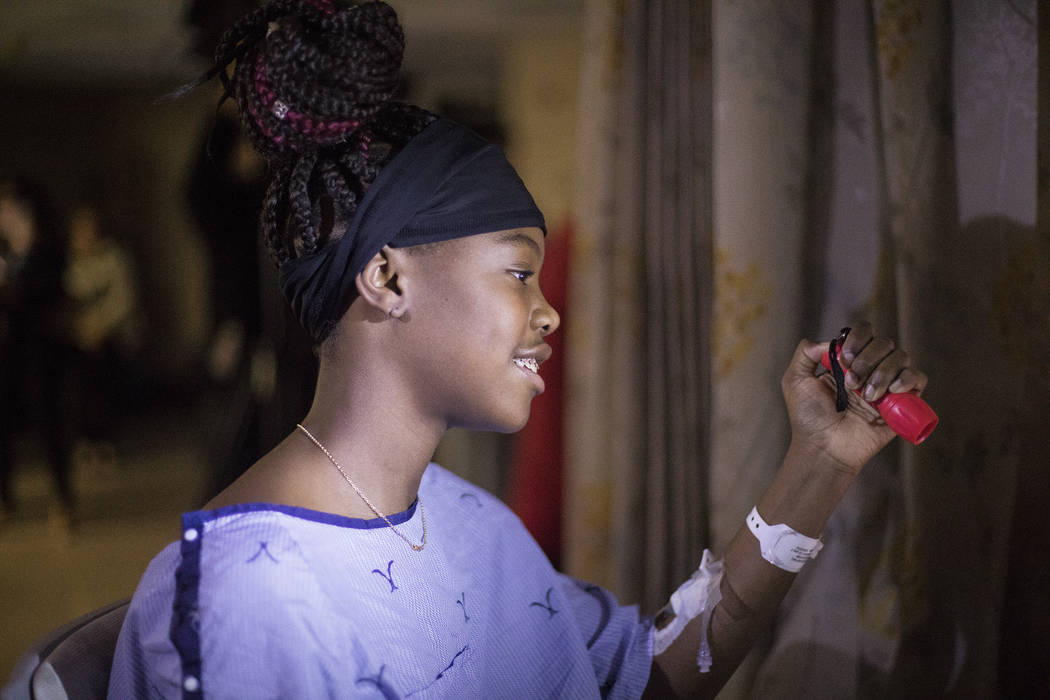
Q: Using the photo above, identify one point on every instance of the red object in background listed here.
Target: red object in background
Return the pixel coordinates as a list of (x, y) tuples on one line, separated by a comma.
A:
[(534, 488), (907, 414)]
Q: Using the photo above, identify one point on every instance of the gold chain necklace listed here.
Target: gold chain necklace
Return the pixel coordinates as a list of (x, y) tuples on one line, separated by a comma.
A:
[(422, 513)]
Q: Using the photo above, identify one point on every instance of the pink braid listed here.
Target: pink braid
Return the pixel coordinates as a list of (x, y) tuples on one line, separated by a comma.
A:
[(321, 130)]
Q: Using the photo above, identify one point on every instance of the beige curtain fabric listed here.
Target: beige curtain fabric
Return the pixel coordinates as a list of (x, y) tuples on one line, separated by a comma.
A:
[(762, 83), (971, 305), (932, 202), (869, 159), (639, 296), (913, 600), (761, 60)]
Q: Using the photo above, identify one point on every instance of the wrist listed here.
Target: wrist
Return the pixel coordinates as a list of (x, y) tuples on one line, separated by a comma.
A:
[(806, 489), (814, 456)]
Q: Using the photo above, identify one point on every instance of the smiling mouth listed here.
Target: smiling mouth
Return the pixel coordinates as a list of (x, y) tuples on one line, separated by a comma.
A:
[(527, 363)]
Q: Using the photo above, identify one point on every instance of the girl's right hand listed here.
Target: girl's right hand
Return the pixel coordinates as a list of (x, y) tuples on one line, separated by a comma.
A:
[(875, 365)]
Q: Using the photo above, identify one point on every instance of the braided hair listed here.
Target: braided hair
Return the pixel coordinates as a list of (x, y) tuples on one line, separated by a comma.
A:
[(314, 81)]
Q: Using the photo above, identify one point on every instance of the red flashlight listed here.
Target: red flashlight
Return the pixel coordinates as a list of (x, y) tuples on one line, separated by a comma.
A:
[(907, 414)]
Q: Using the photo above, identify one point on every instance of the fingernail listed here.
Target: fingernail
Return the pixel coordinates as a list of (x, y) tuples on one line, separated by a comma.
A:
[(851, 380), (869, 393)]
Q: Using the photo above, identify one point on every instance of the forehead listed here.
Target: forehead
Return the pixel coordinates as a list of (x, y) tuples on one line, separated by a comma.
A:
[(526, 239), (529, 237), (525, 245)]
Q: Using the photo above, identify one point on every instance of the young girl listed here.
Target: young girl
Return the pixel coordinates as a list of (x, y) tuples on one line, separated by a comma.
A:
[(343, 564)]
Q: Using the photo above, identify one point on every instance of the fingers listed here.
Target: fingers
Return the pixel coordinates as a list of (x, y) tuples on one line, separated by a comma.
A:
[(878, 366), (808, 354), (909, 380), (806, 360), (878, 351), (859, 336)]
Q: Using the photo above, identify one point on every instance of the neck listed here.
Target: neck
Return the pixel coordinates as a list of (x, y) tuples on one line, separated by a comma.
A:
[(371, 429), (366, 413)]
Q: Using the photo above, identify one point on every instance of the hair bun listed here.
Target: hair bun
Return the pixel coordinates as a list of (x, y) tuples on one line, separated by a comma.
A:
[(322, 71), (314, 81)]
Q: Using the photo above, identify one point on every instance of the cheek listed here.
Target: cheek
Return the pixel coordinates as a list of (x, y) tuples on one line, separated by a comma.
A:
[(451, 332), (487, 316)]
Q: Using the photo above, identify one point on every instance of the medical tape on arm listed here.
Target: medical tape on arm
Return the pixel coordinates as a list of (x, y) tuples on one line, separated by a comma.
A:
[(698, 596)]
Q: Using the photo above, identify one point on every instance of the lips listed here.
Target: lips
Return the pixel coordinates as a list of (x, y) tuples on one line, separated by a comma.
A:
[(528, 363)]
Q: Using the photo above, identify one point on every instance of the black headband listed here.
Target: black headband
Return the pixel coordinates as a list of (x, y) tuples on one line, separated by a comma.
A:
[(447, 182)]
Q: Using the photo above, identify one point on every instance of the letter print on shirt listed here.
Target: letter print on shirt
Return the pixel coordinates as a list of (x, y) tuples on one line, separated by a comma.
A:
[(548, 607), (389, 576), (471, 498), (262, 550), (442, 674), (381, 685)]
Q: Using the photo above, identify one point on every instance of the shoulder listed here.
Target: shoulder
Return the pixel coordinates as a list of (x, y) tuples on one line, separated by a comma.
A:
[(441, 484), (477, 521), (145, 662), (466, 501), (152, 601), (246, 558), (237, 601), (235, 560)]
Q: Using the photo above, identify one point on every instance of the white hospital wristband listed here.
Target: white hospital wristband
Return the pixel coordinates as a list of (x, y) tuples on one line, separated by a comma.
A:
[(780, 545)]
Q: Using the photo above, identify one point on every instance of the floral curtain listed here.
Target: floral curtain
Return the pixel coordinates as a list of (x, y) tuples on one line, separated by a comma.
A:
[(957, 106), (869, 158), (637, 404)]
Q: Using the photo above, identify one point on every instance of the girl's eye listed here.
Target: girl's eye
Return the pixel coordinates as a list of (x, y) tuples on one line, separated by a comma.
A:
[(522, 275)]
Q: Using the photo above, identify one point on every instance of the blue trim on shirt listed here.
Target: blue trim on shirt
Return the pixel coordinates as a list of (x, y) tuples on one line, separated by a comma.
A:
[(305, 514), (185, 619)]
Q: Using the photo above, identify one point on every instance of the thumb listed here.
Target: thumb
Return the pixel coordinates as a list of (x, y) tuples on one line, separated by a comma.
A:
[(807, 358)]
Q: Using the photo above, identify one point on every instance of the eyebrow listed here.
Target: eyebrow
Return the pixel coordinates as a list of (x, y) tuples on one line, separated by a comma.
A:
[(518, 238)]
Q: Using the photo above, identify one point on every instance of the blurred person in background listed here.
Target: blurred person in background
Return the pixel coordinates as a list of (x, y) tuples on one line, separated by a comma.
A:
[(259, 362), (106, 333), (224, 191), (34, 351)]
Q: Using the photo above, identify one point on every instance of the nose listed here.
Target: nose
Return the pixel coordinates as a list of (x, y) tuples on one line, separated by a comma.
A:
[(545, 318)]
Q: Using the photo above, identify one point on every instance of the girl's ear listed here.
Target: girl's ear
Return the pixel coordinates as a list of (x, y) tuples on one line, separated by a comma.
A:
[(379, 284)]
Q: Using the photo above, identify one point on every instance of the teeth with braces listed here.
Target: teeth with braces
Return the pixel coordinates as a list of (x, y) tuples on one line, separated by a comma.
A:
[(527, 363)]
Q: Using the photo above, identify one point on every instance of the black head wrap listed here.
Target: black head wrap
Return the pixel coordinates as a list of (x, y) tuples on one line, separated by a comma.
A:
[(447, 182)]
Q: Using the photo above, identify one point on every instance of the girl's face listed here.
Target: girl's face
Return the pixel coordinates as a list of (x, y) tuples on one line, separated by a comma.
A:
[(475, 327)]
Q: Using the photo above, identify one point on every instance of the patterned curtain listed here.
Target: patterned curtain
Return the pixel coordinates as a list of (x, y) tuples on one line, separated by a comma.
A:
[(927, 229), (761, 209), (957, 86), (869, 158), (637, 377)]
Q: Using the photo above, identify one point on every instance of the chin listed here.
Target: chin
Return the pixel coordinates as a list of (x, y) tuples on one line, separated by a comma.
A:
[(510, 422), (504, 426), (515, 427), (514, 423)]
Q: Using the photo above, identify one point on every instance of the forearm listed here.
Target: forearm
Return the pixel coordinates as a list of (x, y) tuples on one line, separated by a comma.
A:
[(803, 494)]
